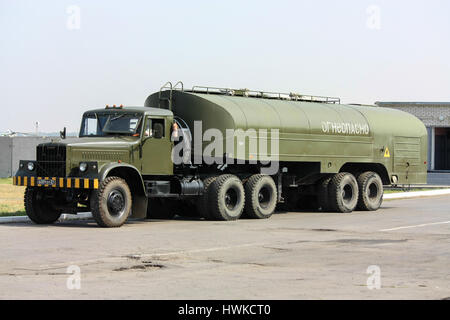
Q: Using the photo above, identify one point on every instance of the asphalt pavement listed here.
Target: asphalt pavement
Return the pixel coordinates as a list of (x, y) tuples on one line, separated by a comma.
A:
[(401, 251)]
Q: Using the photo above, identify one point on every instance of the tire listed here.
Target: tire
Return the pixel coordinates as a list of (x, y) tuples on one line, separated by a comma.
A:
[(370, 191), (343, 192), (323, 198), (111, 203), (203, 203), (157, 209), (260, 197), (38, 209), (226, 198)]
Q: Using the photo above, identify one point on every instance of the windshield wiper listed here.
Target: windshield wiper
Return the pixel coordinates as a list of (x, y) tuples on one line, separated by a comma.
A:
[(118, 117)]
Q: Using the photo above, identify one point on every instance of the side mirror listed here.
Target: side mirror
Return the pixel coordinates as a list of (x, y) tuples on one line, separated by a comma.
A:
[(63, 133)]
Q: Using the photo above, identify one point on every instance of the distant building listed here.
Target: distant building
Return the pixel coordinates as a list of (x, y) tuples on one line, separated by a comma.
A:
[(436, 117)]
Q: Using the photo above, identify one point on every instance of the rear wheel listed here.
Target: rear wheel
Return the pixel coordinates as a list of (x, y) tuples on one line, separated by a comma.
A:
[(226, 198), (260, 197), (343, 192), (40, 209), (370, 191), (111, 203)]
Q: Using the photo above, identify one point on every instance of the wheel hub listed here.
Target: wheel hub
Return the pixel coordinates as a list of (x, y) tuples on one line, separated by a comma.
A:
[(231, 199), (347, 193), (373, 191), (116, 202), (264, 196)]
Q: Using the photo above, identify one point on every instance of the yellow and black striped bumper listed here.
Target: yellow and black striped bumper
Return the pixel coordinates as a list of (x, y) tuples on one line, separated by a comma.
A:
[(69, 183)]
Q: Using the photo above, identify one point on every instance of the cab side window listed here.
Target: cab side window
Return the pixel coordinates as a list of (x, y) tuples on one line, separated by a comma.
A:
[(155, 128), (158, 128)]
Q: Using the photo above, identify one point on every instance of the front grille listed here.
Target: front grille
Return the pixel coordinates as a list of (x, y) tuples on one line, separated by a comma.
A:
[(51, 160)]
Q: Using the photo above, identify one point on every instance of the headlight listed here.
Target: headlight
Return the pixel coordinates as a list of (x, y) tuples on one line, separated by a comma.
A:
[(30, 166), (83, 166)]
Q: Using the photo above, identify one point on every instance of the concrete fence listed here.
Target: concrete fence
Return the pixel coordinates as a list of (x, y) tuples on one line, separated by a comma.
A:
[(13, 149)]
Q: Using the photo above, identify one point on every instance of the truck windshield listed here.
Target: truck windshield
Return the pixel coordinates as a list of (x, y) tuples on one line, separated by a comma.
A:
[(105, 124)]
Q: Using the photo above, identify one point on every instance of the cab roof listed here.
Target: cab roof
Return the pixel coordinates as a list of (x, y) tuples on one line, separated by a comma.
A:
[(128, 109)]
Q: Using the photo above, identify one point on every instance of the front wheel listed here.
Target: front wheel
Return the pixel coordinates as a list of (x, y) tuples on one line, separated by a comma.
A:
[(39, 208), (111, 203)]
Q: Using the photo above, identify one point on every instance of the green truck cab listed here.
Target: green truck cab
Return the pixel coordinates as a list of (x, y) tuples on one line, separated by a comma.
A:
[(328, 156)]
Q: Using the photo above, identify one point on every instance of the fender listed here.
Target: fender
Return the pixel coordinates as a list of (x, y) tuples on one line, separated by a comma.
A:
[(140, 200), (106, 169)]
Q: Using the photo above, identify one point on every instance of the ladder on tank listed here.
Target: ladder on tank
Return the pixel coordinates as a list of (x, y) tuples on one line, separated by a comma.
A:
[(169, 87)]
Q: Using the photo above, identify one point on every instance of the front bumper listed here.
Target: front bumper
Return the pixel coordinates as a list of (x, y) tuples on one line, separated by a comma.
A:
[(56, 182)]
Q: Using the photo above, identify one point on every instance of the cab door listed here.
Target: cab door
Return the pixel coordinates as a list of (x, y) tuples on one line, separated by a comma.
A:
[(156, 147)]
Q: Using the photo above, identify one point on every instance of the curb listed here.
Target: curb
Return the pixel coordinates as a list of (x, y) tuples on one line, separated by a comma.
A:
[(64, 217), (415, 194)]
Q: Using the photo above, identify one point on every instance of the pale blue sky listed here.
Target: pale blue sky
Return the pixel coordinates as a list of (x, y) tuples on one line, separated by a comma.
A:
[(125, 50)]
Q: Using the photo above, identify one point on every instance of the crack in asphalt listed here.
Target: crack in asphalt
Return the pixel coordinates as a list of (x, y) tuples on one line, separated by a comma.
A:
[(146, 266)]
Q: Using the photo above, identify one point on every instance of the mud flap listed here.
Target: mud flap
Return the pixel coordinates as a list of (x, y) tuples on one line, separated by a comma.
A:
[(139, 208)]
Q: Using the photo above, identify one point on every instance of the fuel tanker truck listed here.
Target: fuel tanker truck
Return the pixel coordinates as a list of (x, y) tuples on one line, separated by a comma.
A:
[(223, 154)]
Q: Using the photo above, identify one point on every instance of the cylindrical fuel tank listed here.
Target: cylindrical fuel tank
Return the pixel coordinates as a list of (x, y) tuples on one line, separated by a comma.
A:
[(294, 119), (307, 130)]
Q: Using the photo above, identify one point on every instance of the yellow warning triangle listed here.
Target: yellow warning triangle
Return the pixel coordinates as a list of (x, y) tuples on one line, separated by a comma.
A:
[(386, 153)]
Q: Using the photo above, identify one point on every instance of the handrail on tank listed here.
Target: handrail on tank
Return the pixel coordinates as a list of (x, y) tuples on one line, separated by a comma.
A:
[(265, 94), (167, 85), (179, 83)]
